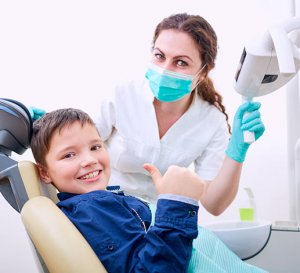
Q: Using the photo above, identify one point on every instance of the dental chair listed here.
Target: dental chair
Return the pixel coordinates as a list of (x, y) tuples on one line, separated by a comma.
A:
[(60, 246)]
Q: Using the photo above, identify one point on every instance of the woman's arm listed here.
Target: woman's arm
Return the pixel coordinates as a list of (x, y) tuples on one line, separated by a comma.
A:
[(221, 191)]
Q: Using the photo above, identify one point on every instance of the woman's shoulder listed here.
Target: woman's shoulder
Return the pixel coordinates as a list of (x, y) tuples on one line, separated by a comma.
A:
[(206, 108)]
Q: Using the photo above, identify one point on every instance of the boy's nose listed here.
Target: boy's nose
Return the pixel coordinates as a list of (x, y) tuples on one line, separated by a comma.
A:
[(88, 160)]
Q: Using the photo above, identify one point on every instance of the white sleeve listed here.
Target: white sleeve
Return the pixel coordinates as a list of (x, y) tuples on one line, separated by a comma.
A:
[(106, 119), (209, 163)]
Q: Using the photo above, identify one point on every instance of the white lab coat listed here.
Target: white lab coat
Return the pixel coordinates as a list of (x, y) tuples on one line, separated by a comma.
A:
[(127, 123)]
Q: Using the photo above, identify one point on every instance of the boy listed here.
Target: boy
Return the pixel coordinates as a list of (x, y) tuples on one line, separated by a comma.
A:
[(70, 154)]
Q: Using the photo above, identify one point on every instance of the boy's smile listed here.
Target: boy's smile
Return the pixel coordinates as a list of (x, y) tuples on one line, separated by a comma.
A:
[(90, 177), (77, 161)]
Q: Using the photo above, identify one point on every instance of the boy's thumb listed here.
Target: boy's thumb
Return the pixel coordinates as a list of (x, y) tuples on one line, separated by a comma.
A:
[(153, 171)]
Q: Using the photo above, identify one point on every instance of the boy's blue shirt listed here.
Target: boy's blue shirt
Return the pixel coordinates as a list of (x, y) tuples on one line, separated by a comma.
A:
[(114, 225)]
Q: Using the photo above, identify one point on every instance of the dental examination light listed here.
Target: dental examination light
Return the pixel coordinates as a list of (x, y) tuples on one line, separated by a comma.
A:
[(268, 63)]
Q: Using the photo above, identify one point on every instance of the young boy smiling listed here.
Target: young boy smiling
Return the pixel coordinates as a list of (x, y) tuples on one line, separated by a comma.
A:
[(70, 154)]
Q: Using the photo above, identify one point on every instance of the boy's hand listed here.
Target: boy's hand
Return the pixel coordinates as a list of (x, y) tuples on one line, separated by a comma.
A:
[(178, 181)]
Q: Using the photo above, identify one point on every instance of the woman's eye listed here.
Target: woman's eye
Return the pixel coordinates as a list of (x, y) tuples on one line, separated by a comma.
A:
[(158, 56), (181, 63)]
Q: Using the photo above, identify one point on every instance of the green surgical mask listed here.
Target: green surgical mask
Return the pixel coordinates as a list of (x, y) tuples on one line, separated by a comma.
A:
[(168, 86)]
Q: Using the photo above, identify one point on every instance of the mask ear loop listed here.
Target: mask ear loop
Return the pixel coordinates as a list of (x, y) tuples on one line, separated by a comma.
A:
[(197, 75)]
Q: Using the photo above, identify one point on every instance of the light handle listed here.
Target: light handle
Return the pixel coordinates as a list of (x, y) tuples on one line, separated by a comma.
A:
[(249, 137)]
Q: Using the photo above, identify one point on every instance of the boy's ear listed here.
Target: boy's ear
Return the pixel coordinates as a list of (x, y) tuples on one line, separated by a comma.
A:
[(44, 173)]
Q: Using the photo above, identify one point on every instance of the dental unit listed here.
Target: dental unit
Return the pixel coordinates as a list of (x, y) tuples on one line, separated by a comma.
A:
[(267, 64)]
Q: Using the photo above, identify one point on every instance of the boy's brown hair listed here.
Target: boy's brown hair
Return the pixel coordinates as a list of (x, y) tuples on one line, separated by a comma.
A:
[(49, 123)]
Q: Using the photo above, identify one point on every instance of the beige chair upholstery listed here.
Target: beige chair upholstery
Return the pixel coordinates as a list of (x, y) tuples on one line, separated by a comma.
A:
[(59, 243), (31, 179)]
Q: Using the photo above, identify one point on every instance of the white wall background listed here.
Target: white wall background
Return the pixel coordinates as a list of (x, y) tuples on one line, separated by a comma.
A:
[(69, 53)]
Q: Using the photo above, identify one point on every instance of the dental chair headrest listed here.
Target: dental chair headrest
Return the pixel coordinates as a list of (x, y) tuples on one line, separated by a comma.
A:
[(15, 127)]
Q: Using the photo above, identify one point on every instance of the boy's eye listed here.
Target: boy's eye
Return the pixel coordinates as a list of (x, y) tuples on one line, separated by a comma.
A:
[(96, 147), (69, 155)]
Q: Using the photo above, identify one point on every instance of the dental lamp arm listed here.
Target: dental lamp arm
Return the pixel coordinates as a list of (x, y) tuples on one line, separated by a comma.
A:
[(284, 50)]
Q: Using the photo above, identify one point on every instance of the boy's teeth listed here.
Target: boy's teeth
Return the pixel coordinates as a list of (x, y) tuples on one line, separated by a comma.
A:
[(90, 175)]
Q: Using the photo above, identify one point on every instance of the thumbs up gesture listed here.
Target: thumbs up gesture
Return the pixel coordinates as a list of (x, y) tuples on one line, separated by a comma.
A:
[(178, 181)]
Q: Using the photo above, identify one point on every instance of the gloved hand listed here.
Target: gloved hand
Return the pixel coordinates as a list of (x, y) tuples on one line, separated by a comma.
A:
[(237, 148), (36, 113)]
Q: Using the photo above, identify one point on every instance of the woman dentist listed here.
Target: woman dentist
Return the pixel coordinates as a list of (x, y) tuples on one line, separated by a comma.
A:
[(176, 117)]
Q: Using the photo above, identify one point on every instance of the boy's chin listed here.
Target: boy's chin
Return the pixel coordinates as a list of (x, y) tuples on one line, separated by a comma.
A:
[(98, 188)]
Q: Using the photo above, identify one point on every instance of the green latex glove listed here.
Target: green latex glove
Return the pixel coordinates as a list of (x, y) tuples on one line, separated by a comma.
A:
[(36, 113), (237, 148)]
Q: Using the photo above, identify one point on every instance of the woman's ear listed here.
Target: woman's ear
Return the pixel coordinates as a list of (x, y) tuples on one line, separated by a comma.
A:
[(44, 173)]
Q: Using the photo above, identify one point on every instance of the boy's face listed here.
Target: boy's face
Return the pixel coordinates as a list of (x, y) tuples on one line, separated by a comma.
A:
[(76, 161)]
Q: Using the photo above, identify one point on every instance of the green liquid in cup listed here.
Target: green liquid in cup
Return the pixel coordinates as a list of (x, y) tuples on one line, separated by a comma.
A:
[(246, 214)]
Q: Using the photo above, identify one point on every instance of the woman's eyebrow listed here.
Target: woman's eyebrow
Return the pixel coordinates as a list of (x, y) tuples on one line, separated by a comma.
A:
[(175, 57)]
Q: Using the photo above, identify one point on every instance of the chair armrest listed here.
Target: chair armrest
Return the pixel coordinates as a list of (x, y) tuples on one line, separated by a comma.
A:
[(59, 243)]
